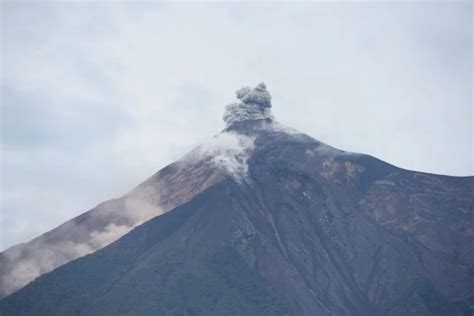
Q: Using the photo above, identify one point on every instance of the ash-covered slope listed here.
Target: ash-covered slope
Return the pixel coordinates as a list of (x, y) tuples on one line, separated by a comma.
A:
[(294, 227), (92, 230)]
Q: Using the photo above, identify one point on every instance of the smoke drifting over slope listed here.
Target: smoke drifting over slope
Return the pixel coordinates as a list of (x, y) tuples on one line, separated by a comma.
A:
[(23, 263)]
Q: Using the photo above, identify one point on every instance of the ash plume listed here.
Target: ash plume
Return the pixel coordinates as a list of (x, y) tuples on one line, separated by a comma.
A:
[(254, 104)]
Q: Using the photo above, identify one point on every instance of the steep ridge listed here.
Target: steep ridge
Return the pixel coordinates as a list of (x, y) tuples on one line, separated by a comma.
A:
[(90, 231), (293, 227)]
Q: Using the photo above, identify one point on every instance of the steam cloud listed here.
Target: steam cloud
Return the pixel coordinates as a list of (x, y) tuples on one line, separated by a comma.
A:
[(228, 152)]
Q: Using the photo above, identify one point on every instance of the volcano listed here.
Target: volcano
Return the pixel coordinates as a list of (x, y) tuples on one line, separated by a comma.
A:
[(259, 220)]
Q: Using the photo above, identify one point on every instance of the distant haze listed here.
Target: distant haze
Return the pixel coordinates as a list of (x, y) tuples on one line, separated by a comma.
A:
[(97, 97)]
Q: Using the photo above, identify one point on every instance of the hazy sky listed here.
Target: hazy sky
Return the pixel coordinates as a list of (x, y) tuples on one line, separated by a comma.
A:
[(97, 97)]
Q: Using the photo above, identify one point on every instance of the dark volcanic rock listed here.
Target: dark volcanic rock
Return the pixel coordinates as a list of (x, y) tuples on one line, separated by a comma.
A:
[(309, 230)]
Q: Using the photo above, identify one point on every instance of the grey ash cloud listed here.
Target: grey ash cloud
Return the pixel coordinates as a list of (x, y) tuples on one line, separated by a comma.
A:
[(258, 96), (255, 105)]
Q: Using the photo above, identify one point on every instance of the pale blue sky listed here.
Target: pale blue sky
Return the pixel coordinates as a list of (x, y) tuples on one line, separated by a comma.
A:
[(97, 97)]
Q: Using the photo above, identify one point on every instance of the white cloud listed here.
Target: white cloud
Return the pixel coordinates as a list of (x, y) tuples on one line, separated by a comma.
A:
[(228, 151)]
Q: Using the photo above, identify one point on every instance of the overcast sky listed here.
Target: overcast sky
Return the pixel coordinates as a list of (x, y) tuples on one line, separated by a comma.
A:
[(97, 97)]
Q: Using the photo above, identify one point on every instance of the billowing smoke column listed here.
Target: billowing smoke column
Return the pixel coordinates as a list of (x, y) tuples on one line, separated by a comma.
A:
[(255, 105)]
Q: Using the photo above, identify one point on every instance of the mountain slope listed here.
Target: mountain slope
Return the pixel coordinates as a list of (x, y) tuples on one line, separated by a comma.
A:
[(164, 264), (295, 227), (92, 230)]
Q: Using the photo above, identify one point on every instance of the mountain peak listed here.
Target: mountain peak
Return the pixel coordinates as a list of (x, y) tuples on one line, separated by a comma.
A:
[(254, 105)]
